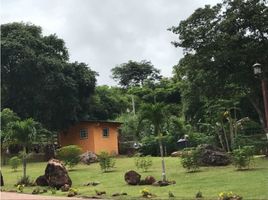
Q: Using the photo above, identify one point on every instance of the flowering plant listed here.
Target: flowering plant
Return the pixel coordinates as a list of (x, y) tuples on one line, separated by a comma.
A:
[(229, 196), (146, 193), (20, 187)]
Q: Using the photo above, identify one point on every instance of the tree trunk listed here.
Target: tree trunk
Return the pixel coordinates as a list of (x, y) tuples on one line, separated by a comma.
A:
[(164, 178), (226, 138), (231, 132), (256, 105), (24, 163), (220, 139)]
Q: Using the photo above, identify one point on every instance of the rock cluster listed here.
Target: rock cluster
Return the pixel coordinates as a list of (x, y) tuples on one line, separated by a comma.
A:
[(134, 178)]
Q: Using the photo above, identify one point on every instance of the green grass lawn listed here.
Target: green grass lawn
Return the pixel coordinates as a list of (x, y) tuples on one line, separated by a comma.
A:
[(251, 184)]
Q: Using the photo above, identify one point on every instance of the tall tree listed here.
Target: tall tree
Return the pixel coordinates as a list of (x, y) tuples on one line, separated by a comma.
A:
[(221, 43), (38, 80), (135, 73), (156, 115)]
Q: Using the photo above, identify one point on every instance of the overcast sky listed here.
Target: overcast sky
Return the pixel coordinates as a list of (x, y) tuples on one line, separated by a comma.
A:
[(105, 33)]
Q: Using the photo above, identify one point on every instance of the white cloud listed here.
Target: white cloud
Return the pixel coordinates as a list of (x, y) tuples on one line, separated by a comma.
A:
[(105, 33)]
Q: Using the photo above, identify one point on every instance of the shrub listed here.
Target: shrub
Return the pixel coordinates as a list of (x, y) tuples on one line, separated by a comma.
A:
[(15, 162), (242, 157), (69, 155), (143, 162), (189, 159), (107, 162)]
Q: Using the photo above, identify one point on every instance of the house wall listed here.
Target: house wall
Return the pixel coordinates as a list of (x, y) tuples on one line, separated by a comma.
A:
[(95, 141), (72, 137), (108, 144)]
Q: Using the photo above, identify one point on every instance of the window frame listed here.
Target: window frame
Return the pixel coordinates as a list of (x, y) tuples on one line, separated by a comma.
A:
[(83, 131), (106, 132)]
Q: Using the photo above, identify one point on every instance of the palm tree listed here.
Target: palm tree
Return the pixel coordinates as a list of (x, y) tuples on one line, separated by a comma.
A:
[(23, 133), (155, 113)]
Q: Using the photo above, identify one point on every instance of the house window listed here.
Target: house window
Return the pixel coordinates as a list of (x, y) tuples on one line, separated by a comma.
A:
[(83, 134), (105, 132)]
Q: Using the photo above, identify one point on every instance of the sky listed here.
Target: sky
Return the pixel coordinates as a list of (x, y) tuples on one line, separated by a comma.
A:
[(107, 33)]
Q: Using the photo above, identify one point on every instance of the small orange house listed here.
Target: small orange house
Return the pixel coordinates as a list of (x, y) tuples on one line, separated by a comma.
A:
[(94, 136)]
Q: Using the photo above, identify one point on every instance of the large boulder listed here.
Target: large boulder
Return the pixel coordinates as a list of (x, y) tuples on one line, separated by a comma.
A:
[(56, 174), (2, 180), (41, 181), (132, 177), (88, 157), (213, 156)]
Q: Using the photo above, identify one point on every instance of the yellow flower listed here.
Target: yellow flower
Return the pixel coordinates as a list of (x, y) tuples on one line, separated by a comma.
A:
[(221, 194), (230, 194)]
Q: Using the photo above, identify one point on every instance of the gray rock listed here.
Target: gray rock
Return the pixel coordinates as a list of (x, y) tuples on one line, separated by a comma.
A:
[(88, 158), (213, 156)]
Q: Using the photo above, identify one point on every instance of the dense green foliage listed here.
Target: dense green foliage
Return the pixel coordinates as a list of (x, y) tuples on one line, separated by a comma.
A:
[(221, 43), (108, 103), (106, 161), (69, 155), (37, 79), (220, 94)]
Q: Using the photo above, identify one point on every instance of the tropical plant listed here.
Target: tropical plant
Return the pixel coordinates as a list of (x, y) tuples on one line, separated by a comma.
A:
[(155, 113), (24, 133)]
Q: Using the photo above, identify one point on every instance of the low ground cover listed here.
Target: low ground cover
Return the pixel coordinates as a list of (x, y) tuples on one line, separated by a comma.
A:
[(251, 184)]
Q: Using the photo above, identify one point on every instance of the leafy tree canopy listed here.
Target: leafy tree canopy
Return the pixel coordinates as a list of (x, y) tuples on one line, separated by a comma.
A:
[(135, 73), (221, 43), (38, 81)]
